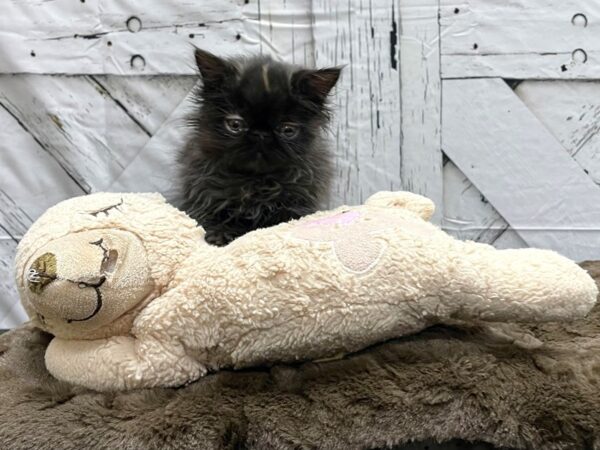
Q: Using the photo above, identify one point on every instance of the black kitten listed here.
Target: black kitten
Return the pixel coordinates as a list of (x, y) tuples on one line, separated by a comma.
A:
[(256, 156)]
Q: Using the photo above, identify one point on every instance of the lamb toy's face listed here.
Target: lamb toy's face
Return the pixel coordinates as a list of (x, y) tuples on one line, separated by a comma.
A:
[(90, 277), (89, 262)]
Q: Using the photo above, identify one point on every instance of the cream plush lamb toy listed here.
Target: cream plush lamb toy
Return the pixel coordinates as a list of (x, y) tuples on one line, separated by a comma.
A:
[(135, 298)]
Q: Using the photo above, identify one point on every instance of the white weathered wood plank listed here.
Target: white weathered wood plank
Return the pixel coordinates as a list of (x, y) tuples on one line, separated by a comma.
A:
[(94, 37), (520, 39), (420, 100), (282, 28), (520, 167), (570, 110), (14, 222), (527, 66), (159, 152), (31, 180), (148, 100), (91, 137), (366, 129), (11, 311), (30, 175), (467, 213), (126, 37)]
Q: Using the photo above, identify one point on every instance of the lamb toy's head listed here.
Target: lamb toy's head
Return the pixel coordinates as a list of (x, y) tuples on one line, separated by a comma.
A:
[(89, 264)]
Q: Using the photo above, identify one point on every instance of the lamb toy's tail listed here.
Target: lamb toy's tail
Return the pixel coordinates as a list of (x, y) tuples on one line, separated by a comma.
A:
[(417, 204)]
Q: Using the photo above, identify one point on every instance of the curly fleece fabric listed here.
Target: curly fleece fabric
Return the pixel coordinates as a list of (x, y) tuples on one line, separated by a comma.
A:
[(441, 384), (330, 283)]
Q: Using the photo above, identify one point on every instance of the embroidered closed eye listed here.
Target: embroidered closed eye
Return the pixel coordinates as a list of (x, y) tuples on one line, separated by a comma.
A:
[(107, 209), (109, 258)]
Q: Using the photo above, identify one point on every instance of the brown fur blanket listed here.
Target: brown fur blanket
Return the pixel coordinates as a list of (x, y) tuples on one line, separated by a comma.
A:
[(444, 383)]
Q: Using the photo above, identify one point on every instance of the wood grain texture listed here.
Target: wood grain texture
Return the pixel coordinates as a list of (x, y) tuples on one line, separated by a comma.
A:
[(126, 37), (147, 100), (468, 215), (420, 100), (570, 110), (548, 199), (366, 129), (14, 222), (520, 39), (154, 167), (86, 132)]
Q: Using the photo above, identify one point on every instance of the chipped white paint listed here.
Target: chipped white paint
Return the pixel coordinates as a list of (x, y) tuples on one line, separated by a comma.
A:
[(520, 167), (520, 39)]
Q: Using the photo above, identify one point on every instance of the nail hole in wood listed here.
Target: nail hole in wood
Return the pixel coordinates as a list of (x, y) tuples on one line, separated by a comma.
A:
[(456, 10), (191, 35), (563, 68), (82, 1), (137, 62), (579, 55), (238, 37), (134, 24), (579, 20), (475, 46), (32, 53), (109, 43)]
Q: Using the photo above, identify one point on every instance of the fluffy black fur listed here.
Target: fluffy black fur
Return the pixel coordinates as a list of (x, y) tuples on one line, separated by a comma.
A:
[(256, 154)]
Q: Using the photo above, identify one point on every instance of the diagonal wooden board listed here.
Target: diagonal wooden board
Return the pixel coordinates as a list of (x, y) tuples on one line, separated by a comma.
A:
[(570, 110), (520, 167), (159, 152), (468, 215)]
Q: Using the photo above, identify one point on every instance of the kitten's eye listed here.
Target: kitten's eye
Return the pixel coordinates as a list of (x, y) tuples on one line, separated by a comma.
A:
[(235, 125), (289, 130)]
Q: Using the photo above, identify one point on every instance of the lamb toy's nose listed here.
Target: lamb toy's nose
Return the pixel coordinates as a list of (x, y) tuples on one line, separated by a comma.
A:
[(41, 273)]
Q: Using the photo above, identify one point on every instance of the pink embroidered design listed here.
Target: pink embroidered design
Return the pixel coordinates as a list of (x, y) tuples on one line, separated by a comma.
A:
[(356, 236), (343, 218)]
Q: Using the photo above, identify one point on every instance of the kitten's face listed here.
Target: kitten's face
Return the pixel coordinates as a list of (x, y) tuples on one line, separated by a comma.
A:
[(258, 113)]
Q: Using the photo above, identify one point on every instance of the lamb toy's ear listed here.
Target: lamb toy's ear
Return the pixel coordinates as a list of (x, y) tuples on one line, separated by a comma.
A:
[(417, 204)]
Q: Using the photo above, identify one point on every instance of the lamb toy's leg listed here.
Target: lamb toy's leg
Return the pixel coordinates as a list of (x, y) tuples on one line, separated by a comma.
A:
[(417, 204), (121, 362), (526, 285)]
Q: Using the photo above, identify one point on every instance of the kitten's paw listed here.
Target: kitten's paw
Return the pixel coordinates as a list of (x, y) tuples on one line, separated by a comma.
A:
[(219, 239)]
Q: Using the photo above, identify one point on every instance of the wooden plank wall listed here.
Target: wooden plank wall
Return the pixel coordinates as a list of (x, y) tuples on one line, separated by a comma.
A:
[(93, 95), (544, 50)]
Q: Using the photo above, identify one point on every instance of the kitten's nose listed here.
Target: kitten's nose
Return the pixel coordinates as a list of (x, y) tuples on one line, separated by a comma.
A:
[(42, 272), (260, 134)]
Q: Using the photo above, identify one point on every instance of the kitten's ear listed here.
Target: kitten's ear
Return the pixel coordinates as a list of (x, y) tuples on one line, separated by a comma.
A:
[(316, 84), (214, 70)]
